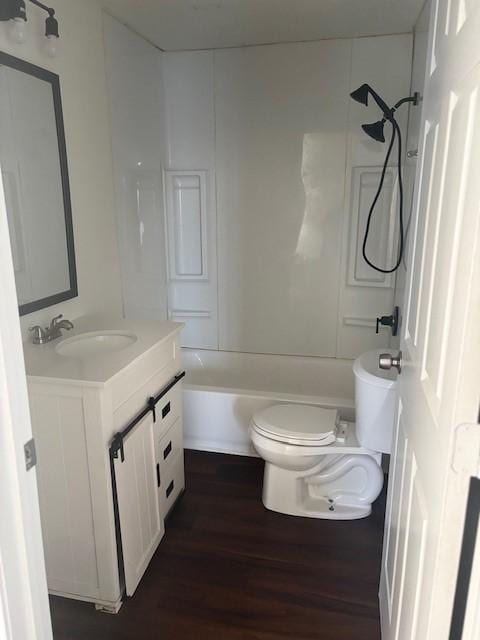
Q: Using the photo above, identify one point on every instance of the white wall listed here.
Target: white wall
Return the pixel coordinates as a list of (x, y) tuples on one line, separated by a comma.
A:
[(277, 130), (135, 88), (80, 65)]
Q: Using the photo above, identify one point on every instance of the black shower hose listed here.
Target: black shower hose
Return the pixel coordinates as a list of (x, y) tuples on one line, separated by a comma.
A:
[(395, 132)]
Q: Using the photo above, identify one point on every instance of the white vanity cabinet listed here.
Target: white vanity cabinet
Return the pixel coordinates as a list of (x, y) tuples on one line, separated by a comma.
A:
[(77, 406)]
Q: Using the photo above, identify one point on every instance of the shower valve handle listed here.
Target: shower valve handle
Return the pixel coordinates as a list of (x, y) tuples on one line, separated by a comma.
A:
[(389, 321)]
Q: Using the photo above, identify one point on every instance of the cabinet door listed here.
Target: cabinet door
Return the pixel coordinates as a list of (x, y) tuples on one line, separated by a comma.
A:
[(140, 523)]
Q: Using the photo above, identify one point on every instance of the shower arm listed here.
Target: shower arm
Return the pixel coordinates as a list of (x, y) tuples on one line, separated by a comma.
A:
[(415, 99), (388, 113)]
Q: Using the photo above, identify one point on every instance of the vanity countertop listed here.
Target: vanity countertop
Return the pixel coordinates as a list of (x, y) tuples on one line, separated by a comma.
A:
[(43, 361)]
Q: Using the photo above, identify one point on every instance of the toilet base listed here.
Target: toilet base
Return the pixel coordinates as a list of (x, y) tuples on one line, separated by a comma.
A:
[(320, 508), (340, 487)]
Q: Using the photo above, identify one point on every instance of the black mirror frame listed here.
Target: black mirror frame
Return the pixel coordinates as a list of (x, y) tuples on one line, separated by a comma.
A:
[(54, 80)]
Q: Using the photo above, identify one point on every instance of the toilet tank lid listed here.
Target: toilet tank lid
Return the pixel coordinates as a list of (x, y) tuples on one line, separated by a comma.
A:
[(301, 421)]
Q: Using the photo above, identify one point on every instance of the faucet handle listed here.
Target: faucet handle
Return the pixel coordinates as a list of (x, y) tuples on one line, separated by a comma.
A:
[(55, 320), (36, 328), (39, 334)]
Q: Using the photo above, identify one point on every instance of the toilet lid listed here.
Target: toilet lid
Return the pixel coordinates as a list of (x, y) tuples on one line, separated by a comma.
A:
[(299, 421)]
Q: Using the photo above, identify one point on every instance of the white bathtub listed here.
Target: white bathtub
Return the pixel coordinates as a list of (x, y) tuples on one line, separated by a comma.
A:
[(224, 389)]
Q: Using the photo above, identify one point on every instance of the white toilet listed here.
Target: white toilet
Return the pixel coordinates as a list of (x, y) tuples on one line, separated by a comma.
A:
[(319, 466)]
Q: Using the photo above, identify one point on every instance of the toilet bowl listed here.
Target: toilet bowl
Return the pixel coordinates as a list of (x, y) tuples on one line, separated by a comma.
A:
[(319, 466)]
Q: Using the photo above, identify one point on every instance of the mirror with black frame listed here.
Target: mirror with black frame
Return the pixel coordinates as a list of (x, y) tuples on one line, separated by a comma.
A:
[(33, 161)]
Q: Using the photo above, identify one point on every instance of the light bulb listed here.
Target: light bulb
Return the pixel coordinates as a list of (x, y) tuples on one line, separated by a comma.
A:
[(51, 46), (17, 31)]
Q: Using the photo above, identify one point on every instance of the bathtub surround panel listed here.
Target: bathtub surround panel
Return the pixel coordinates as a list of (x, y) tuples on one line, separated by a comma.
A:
[(280, 142), (382, 238), (135, 86), (187, 225), (191, 212), (420, 44), (81, 68), (385, 64), (267, 181), (275, 129)]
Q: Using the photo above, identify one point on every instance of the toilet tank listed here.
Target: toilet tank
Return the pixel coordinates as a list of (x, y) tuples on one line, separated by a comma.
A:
[(375, 401)]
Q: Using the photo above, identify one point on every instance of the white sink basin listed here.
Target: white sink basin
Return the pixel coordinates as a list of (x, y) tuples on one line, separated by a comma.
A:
[(95, 343)]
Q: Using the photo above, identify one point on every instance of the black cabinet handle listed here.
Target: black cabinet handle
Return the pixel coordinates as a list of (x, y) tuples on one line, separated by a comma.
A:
[(158, 474), (167, 451), (166, 410), (169, 489)]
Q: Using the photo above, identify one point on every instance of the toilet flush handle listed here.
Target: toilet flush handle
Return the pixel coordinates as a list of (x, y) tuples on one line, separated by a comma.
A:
[(387, 361)]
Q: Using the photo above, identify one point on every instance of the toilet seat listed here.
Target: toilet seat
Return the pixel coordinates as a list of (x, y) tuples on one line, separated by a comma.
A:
[(293, 441), (297, 424)]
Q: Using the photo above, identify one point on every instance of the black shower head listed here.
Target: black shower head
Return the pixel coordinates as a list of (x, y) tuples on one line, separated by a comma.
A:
[(375, 130), (361, 94)]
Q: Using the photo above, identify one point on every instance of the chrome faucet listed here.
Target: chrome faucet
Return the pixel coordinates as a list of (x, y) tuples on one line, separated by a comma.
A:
[(43, 335)]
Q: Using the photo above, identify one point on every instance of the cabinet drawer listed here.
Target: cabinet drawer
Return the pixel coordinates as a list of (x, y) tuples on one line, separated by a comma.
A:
[(170, 467), (133, 404), (172, 484), (168, 410), (157, 366), (170, 446)]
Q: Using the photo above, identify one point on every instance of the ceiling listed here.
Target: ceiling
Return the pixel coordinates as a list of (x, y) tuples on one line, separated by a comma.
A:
[(212, 24)]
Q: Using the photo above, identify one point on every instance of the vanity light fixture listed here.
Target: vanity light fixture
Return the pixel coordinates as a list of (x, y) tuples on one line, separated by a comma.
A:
[(15, 12), (17, 31), (11, 9)]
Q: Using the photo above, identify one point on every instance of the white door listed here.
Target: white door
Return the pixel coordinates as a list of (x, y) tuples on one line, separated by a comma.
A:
[(436, 438), (24, 612), (137, 482)]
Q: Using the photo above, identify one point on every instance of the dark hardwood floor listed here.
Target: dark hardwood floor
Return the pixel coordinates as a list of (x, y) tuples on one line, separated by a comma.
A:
[(227, 569)]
